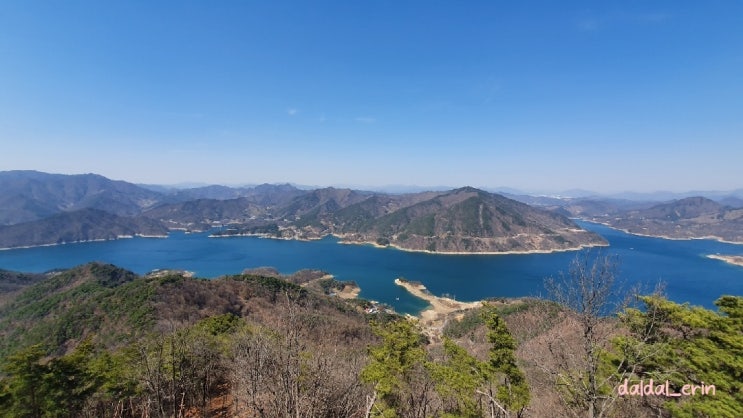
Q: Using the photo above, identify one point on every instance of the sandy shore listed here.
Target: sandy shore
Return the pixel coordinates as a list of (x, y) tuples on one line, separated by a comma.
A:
[(557, 250), (434, 318), (343, 239), (82, 241), (349, 292), (732, 259)]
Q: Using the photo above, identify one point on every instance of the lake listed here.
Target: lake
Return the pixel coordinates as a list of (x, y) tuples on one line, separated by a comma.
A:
[(682, 265)]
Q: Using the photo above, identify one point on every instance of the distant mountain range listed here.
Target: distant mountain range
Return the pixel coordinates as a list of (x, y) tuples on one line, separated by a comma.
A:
[(40, 208), (690, 217), (32, 195)]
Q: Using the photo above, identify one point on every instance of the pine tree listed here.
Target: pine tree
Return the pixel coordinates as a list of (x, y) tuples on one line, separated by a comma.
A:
[(511, 390)]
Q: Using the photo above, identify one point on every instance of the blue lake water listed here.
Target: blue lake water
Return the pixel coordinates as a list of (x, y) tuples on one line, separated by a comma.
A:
[(682, 265)]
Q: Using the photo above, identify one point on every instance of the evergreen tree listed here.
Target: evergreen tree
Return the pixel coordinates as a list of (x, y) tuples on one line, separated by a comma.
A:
[(511, 390), (397, 369), (688, 346), (24, 383), (458, 379)]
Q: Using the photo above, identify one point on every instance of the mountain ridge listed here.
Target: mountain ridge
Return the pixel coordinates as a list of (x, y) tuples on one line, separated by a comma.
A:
[(90, 207), (687, 218)]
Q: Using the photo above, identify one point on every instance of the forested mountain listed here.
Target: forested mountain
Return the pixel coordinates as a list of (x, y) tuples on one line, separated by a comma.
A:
[(692, 217), (59, 209), (31, 195), (81, 225), (97, 340), (264, 194), (203, 214), (471, 220), (461, 220)]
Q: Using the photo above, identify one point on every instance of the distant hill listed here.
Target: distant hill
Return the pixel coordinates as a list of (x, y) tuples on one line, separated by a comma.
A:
[(472, 220), (461, 220), (692, 217), (587, 207), (31, 195), (202, 214), (110, 343), (11, 283), (113, 305), (81, 225), (264, 194)]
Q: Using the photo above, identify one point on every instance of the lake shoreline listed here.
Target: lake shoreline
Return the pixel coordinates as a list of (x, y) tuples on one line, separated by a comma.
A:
[(342, 240), (55, 244), (709, 237), (736, 260), (434, 317)]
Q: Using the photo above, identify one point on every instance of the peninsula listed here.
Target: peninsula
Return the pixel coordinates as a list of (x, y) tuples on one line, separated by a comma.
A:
[(434, 318), (731, 259)]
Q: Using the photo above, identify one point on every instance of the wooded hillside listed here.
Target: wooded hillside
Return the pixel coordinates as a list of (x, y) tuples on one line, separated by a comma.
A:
[(97, 340)]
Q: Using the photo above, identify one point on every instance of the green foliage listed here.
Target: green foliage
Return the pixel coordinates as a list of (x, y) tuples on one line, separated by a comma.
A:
[(23, 385), (330, 285), (272, 287), (219, 324), (91, 299), (459, 328), (400, 350), (512, 308), (391, 223), (512, 389), (423, 226), (383, 241), (474, 217), (59, 387), (687, 345), (69, 382), (394, 363), (457, 380), (474, 319)]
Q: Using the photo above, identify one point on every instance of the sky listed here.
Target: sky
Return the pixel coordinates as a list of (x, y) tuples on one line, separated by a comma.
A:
[(534, 95)]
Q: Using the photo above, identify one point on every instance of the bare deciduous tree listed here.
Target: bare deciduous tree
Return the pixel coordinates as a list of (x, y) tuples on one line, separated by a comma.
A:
[(589, 290), (286, 372)]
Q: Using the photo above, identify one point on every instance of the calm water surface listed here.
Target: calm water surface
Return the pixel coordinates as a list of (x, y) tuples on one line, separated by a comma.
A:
[(689, 276)]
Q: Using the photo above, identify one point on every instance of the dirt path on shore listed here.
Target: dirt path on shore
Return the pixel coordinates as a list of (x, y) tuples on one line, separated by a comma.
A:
[(434, 318)]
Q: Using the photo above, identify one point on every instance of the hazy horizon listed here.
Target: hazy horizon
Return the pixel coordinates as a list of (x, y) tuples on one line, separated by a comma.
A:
[(412, 188), (537, 96)]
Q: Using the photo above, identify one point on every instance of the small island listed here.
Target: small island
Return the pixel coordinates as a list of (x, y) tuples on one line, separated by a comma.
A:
[(731, 259)]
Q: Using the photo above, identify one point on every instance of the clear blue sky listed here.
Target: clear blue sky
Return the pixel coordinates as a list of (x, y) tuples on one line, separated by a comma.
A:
[(540, 96)]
